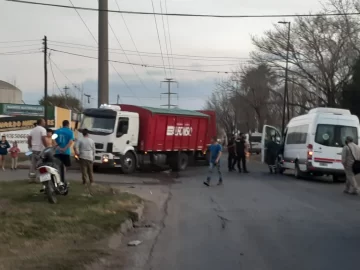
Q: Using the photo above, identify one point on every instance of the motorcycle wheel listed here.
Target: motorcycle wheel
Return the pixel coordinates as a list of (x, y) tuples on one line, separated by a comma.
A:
[(50, 192)]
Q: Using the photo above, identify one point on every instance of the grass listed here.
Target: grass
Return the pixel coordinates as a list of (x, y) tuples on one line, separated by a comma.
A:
[(37, 235)]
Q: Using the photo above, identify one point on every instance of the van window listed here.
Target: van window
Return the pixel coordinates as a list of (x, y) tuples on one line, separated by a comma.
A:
[(297, 135), (256, 139), (334, 135)]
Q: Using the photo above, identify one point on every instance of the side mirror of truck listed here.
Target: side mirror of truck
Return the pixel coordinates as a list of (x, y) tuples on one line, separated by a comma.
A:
[(119, 134)]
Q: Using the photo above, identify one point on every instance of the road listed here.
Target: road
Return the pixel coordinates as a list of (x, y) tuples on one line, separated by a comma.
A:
[(256, 222), (253, 222)]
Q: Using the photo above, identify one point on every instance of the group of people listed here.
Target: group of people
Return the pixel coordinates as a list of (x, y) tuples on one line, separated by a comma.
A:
[(5, 149), (237, 149), (84, 148)]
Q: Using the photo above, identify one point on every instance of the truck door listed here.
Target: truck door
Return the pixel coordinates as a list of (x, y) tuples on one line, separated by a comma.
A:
[(122, 134), (268, 132)]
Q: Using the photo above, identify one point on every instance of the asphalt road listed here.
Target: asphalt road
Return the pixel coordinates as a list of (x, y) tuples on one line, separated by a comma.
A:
[(257, 222)]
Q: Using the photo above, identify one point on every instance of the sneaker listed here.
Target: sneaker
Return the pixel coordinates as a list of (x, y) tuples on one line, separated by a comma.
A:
[(246, 171), (207, 182), (220, 182)]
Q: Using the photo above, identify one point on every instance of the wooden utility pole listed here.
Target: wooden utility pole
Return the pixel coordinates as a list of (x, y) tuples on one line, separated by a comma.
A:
[(46, 116)]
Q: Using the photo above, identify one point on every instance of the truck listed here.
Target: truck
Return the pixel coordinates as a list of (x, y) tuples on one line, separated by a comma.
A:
[(130, 136)]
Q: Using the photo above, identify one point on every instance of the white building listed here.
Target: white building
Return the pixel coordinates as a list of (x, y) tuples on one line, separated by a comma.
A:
[(10, 93)]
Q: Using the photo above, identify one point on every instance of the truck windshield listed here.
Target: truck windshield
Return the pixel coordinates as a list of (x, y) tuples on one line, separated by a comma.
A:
[(98, 125), (335, 135)]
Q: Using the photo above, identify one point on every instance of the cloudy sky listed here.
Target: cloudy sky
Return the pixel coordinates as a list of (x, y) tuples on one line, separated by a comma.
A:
[(227, 39)]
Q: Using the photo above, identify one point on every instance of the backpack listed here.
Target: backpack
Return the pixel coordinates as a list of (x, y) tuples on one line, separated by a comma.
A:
[(356, 165)]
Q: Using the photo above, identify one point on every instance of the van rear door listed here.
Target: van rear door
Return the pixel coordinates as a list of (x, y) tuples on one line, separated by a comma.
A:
[(268, 132), (328, 143)]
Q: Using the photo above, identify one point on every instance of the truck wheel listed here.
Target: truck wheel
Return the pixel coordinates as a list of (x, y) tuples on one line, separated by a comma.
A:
[(128, 163), (179, 162)]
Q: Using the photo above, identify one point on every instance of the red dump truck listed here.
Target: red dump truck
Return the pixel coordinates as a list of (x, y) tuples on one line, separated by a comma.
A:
[(129, 136)]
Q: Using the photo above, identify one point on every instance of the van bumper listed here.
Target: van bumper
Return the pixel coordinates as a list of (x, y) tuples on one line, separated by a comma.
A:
[(324, 171)]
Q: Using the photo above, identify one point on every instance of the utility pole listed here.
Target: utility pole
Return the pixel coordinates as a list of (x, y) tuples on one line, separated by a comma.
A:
[(118, 99), (46, 116), (103, 65), (169, 93), (66, 88)]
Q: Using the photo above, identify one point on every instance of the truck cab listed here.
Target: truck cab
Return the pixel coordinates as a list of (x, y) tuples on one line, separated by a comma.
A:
[(115, 134)]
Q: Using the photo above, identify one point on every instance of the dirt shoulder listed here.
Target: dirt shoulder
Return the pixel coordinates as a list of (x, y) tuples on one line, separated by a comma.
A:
[(37, 235)]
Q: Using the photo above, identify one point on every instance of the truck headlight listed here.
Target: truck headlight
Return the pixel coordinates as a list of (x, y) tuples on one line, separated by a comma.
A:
[(105, 158)]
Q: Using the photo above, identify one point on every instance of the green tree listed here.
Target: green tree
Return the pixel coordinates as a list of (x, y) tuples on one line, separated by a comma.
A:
[(68, 102)]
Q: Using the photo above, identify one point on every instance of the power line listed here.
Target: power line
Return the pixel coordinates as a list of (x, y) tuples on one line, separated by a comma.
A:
[(28, 51), (132, 39), (52, 72), (168, 24), (166, 44), (145, 65), (83, 21), (19, 41), (157, 30), (192, 15), (137, 64), (123, 80), (18, 46), (151, 54)]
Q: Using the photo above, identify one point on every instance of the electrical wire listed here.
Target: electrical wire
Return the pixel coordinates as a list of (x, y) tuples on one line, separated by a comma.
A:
[(132, 40), (123, 80), (151, 54), (168, 24), (166, 44), (28, 51), (52, 72), (193, 15), (137, 64), (19, 41), (157, 30)]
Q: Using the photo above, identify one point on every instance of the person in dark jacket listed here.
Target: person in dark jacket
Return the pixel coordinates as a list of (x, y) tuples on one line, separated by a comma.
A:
[(231, 152), (272, 152), (4, 146), (240, 149)]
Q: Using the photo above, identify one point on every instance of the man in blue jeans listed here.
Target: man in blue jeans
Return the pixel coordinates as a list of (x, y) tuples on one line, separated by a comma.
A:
[(64, 141), (215, 155)]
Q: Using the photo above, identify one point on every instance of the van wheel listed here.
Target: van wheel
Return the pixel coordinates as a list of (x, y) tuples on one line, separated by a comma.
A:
[(128, 163), (298, 173)]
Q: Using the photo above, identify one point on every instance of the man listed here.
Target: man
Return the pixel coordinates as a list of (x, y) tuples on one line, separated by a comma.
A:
[(231, 152), (36, 142), (350, 153), (241, 148), (215, 155), (85, 150), (49, 140), (272, 151), (64, 141)]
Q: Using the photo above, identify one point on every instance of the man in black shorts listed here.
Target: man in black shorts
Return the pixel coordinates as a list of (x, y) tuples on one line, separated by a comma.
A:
[(64, 142)]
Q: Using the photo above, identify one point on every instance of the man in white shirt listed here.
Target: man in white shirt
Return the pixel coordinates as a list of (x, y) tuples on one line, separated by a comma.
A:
[(36, 142), (85, 150)]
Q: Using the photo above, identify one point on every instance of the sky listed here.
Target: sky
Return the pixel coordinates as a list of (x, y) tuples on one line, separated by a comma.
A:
[(225, 42)]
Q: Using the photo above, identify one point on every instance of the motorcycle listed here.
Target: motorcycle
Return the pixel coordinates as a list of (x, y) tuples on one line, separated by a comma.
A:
[(49, 169)]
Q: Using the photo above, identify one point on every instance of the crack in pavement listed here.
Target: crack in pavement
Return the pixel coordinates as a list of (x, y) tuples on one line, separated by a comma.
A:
[(163, 226)]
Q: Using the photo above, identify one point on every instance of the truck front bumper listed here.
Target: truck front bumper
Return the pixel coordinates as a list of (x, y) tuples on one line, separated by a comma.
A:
[(106, 160)]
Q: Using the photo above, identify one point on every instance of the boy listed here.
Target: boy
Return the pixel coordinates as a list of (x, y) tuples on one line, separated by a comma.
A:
[(215, 154)]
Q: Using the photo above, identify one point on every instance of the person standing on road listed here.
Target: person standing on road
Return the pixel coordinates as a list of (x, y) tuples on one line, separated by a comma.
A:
[(231, 152), (4, 146), (14, 152), (36, 142), (85, 150), (241, 148), (350, 153), (215, 155), (272, 151), (64, 141)]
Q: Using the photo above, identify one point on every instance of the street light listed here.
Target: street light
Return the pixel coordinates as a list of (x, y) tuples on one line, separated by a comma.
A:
[(286, 75)]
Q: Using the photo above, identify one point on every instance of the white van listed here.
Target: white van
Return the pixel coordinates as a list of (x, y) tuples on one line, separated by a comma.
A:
[(255, 141), (313, 143)]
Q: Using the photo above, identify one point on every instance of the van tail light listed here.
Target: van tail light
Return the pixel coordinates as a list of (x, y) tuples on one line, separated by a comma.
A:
[(310, 151), (43, 170)]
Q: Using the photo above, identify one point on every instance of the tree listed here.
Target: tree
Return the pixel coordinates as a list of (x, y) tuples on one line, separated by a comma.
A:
[(351, 93), (69, 102), (321, 56)]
